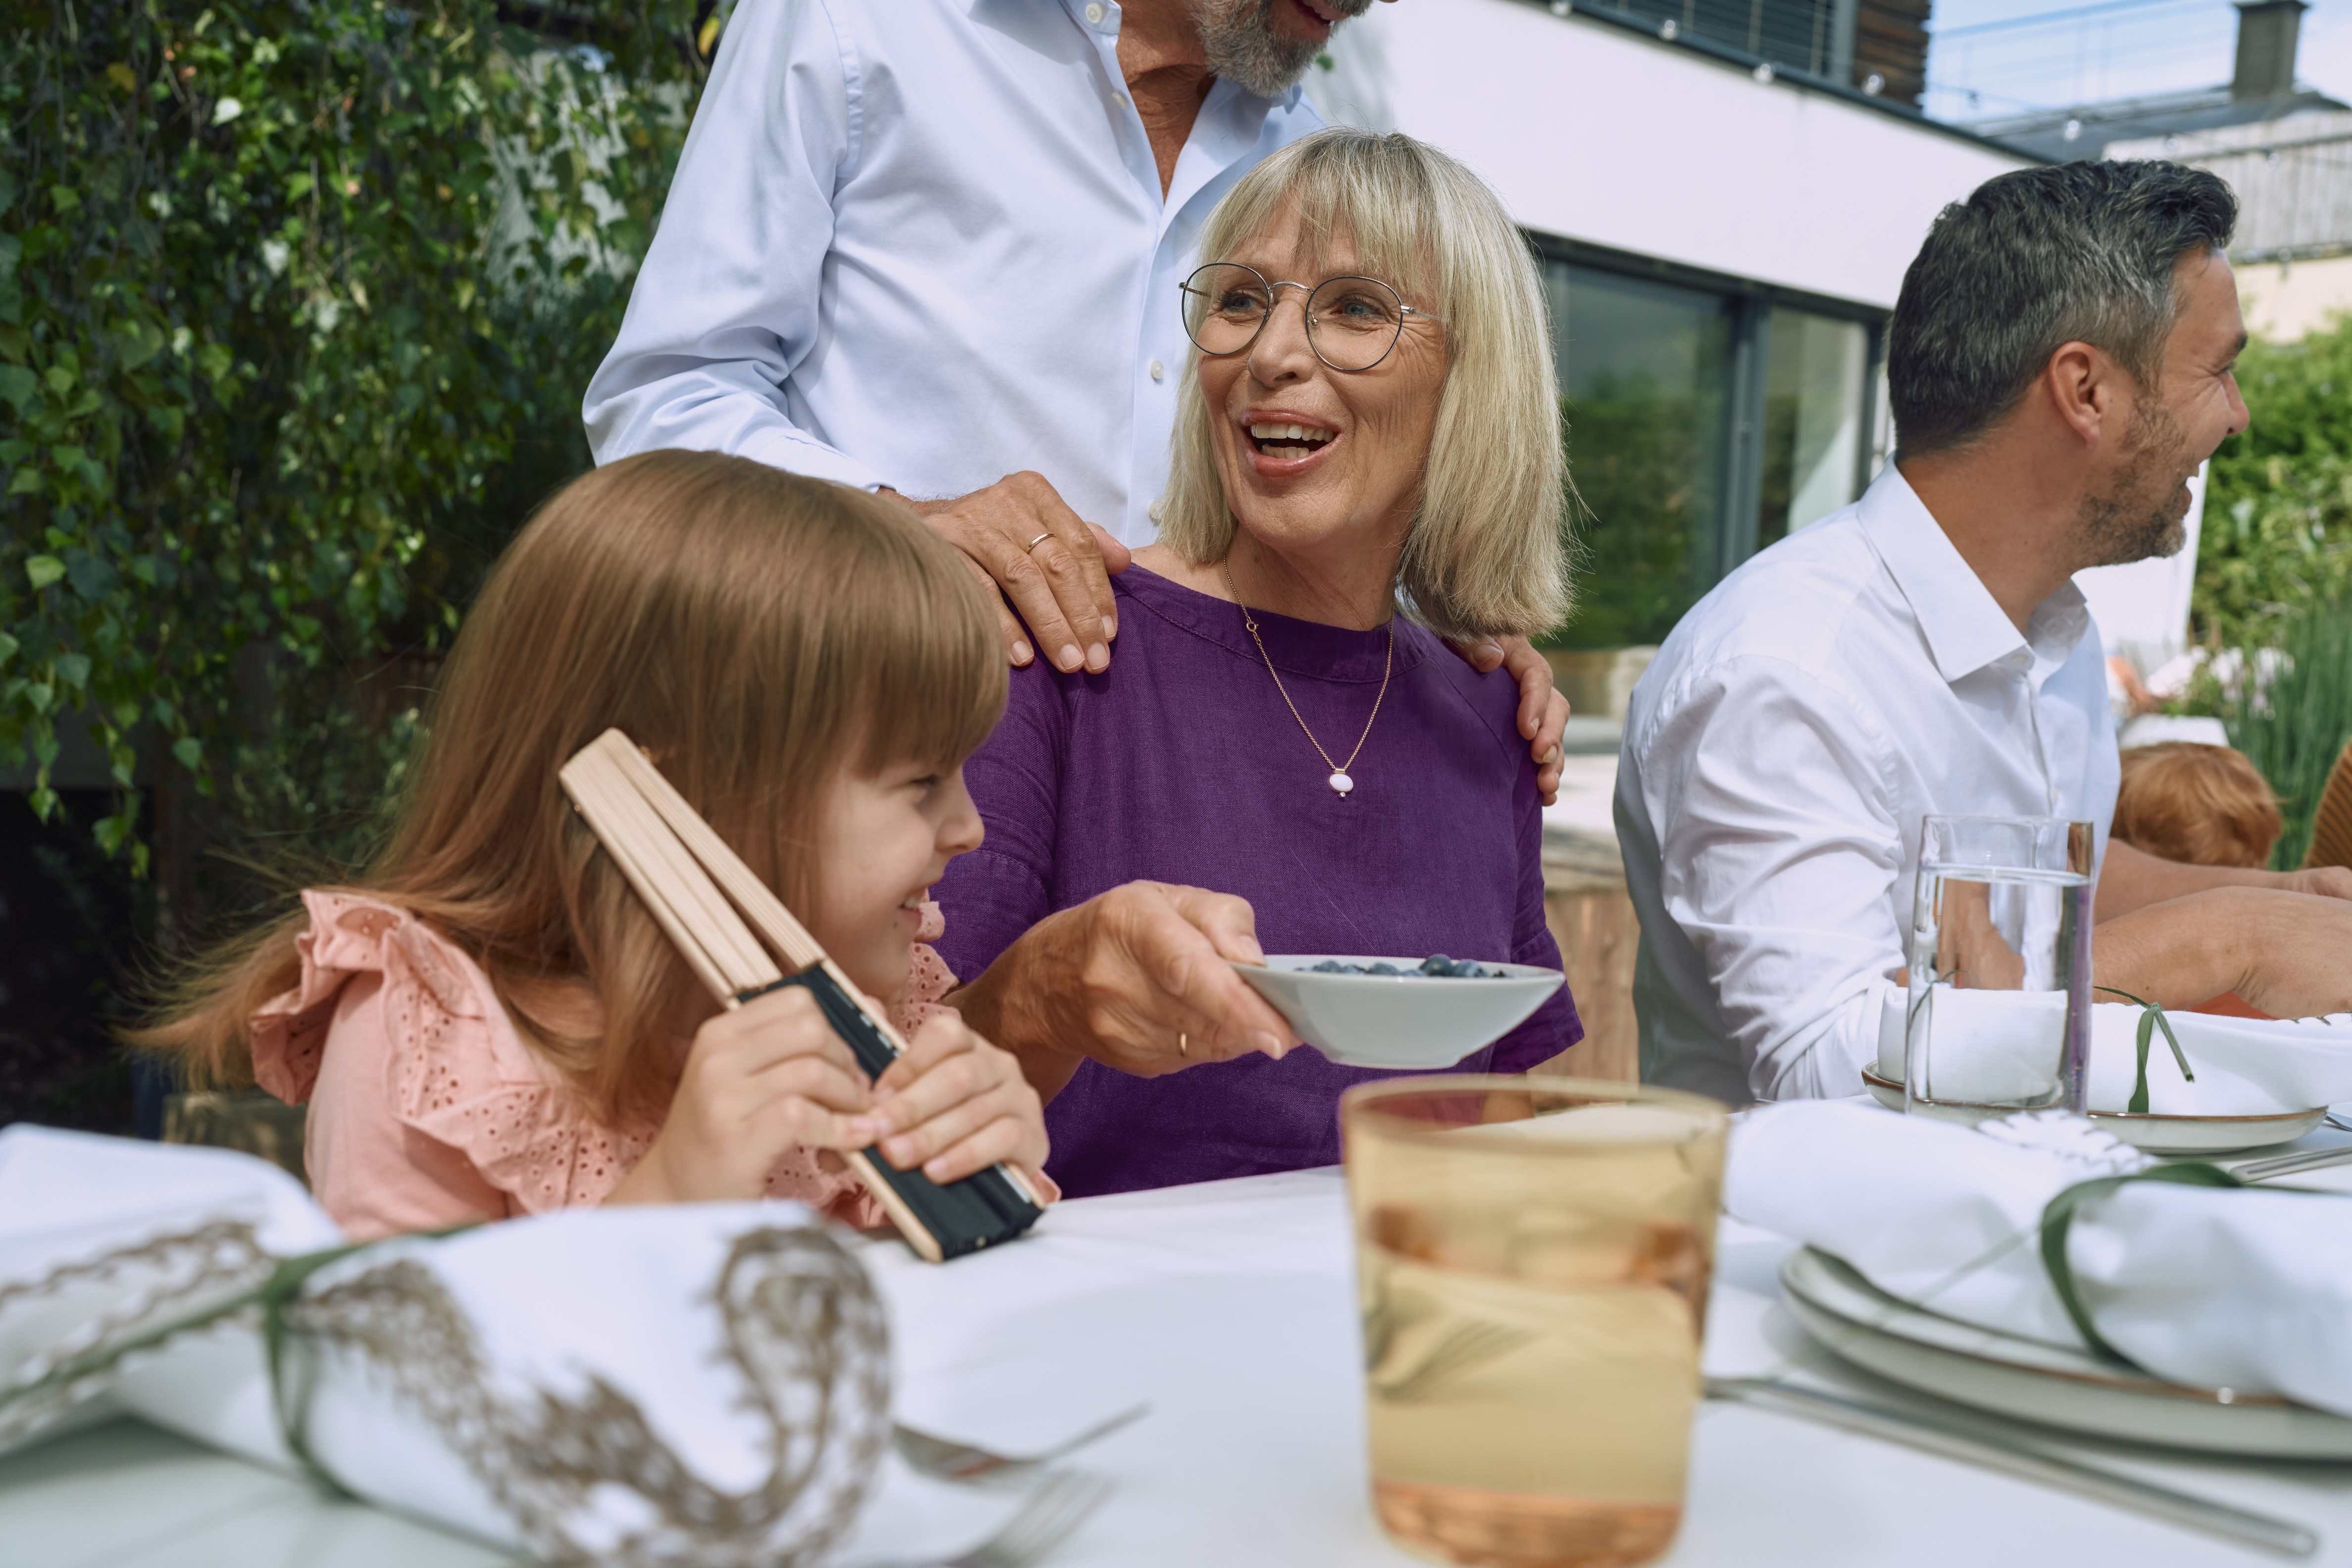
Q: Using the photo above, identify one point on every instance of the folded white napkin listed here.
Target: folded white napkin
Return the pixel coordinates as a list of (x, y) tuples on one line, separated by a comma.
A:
[(707, 1384), (2247, 1289), (1997, 1046)]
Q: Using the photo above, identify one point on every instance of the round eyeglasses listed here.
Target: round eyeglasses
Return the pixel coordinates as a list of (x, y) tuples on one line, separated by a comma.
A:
[(1352, 322)]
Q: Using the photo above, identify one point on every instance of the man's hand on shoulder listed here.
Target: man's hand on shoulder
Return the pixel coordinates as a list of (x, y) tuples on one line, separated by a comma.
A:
[(1543, 712), (1029, 547)]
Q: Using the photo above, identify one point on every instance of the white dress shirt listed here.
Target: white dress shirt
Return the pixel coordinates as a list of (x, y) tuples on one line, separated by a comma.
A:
[(922, 244), (1779, 755)]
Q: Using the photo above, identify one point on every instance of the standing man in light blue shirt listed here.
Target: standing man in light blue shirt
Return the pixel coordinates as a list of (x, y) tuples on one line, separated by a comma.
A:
[(922, 245)]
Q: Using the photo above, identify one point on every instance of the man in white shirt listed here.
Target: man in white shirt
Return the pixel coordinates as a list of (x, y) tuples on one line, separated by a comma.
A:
[(2059, 363), (922, 245)]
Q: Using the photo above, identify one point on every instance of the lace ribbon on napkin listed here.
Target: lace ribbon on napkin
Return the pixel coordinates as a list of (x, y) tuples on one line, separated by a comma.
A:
[(802, 1334)]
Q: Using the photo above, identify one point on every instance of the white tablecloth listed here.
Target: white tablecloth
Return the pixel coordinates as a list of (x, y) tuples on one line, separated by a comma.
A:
[(1230, 1306)]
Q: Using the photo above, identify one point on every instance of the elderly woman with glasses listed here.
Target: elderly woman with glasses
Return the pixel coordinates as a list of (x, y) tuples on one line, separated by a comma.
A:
[(1284, 757)]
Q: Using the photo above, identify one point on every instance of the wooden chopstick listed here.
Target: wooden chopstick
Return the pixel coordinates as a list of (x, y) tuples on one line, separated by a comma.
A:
[(695, 886), (594, 792), (687, 888), (765, 910)]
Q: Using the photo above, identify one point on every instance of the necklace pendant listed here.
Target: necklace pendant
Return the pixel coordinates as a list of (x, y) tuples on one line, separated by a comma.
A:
[(1341, 783)]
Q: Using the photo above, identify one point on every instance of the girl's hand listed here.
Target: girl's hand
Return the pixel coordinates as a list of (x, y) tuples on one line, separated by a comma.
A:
[(955, 1104), (760, 1080)]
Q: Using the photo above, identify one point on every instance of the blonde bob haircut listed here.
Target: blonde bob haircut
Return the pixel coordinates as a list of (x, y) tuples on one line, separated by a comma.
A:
[(1487, 553)]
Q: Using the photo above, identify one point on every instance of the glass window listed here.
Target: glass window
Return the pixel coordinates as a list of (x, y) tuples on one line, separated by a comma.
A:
[(1813, 378), (1644, 375)]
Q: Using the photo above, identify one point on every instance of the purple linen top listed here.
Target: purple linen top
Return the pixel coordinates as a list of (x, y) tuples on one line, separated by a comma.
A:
[(1181, 764)]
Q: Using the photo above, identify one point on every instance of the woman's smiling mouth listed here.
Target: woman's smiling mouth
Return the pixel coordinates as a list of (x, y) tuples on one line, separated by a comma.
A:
[(1283, 444)]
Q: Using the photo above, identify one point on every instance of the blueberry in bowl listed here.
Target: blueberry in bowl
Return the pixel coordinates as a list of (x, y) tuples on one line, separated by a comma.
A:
[(1436, 966), (1399, 1013)]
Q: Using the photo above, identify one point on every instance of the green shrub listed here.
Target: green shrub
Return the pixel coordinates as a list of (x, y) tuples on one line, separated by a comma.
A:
[(2277, 538), (1644, 508), (2294, 719), (297, 303)]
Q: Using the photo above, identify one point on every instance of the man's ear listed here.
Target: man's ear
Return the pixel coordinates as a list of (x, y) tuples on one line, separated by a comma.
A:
[(2085, 387)]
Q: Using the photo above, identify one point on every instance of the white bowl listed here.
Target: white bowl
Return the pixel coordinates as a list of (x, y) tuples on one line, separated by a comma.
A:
[(1398, 1021)]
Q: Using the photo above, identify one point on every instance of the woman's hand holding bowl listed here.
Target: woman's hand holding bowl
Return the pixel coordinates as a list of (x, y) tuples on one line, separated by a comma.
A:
[(1136, 978)]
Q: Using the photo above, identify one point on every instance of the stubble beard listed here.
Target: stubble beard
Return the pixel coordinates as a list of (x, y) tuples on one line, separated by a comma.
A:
[(2136, 517), (1241, 44)]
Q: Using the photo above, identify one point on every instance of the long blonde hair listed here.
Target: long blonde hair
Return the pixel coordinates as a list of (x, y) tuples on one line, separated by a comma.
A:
[(1487, 553), (753, 629)]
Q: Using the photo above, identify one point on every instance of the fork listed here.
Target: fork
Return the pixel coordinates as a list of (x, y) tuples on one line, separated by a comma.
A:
[(2026, 1462), (1062, 1502), (948, 1460)]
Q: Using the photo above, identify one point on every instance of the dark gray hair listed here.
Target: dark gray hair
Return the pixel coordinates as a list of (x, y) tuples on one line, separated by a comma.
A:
[(2033, 260)]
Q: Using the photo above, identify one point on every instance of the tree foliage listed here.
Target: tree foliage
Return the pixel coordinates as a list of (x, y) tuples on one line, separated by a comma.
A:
[(297, 301), (1644, 498), (2277, 539)]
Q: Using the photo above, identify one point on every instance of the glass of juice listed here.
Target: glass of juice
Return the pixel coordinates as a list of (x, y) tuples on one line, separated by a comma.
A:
[(1532, 1260)]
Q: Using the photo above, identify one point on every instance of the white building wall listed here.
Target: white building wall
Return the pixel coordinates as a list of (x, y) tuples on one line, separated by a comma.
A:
[(1594, 133), (1590, 133)]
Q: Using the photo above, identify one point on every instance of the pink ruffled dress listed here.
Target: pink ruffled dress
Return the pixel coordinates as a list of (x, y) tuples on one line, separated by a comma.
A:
[(427, 1110)]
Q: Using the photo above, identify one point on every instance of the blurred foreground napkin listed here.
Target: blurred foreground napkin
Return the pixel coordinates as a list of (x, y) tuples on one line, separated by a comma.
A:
[(2244, 1066), (2247, 1289), (705, 1385)]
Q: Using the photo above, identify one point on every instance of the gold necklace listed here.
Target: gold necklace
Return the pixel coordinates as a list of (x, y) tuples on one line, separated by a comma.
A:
[(1341, 783)]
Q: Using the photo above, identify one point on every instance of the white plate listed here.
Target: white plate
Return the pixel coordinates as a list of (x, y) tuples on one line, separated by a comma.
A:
[(2036, 1381), (2158, 1134), (1398, 1021)]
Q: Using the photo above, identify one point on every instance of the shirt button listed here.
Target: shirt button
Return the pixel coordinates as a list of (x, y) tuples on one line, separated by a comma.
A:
[(1093, 15), (1159, 371)]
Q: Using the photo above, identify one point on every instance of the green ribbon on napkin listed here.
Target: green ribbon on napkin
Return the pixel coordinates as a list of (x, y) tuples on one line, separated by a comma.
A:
[(2151, 1018), (273, 1296), (2058, 1221)]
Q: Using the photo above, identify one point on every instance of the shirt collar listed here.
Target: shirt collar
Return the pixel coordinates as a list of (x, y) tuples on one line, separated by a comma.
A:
[(1965, 626)]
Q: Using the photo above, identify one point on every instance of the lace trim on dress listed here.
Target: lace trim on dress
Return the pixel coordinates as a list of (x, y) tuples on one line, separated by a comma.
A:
[(458, 1072)]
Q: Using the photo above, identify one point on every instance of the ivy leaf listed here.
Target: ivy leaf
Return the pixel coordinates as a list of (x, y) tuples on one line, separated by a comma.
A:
[(189, 752), (93, 576), (110, 831), (138, 342), (73, 668), (8, 647), (43, 570), (18, 385)]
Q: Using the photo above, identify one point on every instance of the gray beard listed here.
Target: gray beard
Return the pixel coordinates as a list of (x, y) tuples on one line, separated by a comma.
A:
[(1242, 45), (2134, 520)]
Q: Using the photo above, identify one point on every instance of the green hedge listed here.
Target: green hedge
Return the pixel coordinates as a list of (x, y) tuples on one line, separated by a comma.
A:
[(2277, 540), (2295, 715), (297, 303)]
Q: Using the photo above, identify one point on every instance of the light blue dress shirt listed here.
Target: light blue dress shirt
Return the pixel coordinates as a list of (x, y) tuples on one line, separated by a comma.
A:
[(922, 244)]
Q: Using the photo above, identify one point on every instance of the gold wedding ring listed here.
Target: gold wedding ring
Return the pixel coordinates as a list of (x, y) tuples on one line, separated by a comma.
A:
[(1034, 543)]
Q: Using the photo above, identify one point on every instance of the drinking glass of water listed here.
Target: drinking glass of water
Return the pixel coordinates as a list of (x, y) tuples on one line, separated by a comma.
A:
[(1532, 1258), (1999, 1014)]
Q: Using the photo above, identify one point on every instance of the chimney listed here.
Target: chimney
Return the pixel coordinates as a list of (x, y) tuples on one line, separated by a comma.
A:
[(2267, 34)]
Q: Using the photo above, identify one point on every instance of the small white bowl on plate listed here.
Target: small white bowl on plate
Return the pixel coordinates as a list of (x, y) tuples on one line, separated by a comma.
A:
[(1398, 1021)]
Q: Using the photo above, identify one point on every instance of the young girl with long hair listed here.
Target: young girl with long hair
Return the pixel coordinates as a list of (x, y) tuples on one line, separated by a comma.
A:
[(488, 1022)]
